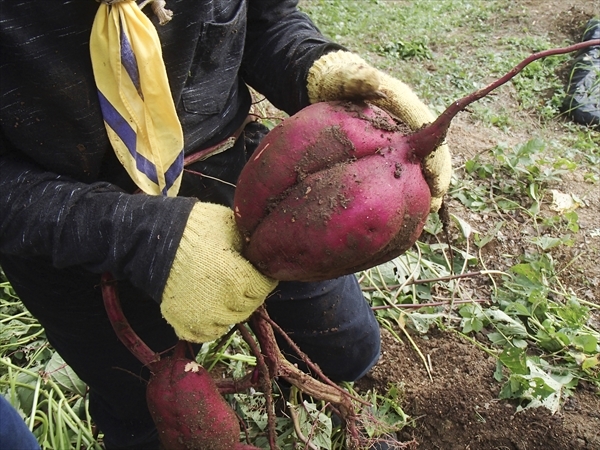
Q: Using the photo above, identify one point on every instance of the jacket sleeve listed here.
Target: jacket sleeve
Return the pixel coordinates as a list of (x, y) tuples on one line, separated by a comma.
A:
[(97, 226), (281, 45)]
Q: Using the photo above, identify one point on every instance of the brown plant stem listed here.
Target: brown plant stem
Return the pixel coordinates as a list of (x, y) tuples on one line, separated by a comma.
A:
[(423, 305), (265, 381), (281, 367), (312, 366), (434, 280), (233, 386)]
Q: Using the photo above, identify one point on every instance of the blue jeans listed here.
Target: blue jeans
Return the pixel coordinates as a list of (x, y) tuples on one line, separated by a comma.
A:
[(14, 434)]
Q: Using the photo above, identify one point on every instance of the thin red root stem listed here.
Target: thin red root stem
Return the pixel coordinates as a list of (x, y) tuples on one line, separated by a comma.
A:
[(281, 367), (426, 140), (119, 322), (265, 381), (312, 366)]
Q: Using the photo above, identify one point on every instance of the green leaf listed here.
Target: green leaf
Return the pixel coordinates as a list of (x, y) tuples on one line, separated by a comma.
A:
[(574, 314), (547, 341), (518, 309), (386, 273), (64, 376), (253, 409), (498, 374), (422, 322), (563, 338), (519, 343), (472, 324), (506, 324), (546, 242), (572, 219), (497, 338), (515, 359), (585, 342), (532, 146), (433, 225), (536, 387), (588, 363), (482, 241), (314, 424), (470, 310), (464, 226), (532, 274), (471, 165)]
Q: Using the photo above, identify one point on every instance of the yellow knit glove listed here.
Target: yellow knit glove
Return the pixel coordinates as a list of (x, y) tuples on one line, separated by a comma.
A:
[(211, 286), (343, 75)]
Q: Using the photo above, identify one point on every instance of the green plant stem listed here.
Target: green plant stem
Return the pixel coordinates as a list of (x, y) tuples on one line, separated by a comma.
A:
[(53, 425), (590, 304), (59, 426), (23, 341), (54, 389), (473, 341), (8, 318), (71, 419), (36, 395), (44, 423)]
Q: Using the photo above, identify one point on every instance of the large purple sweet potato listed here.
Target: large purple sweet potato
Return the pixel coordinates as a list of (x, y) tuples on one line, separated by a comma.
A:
[(328, 190)]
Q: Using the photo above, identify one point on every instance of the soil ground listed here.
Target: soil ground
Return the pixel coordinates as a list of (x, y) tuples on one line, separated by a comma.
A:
[(459, 408)]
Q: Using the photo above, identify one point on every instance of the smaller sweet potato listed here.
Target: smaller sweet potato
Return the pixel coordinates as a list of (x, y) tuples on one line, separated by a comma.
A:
[(187, 408), (184, 401)]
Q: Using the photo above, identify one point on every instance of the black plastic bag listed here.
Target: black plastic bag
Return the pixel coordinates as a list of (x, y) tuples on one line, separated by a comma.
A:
[(582, 103)]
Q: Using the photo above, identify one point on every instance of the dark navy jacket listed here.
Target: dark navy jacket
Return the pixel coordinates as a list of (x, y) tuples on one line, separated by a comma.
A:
[(64, 199)]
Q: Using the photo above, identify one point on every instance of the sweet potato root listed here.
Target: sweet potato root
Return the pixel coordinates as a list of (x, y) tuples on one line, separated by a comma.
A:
[(187, 408), (332, 198), (184, 401)]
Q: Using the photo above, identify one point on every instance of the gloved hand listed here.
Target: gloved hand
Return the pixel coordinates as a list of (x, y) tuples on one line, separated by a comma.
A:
[(211, 286), (343, 75)]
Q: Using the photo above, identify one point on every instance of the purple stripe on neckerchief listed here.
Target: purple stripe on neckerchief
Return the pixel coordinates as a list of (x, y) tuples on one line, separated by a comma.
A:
[(120, 126), (173, 172), (130, 63)]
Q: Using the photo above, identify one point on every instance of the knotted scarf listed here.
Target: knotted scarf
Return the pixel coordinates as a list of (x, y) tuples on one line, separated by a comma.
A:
[(135, 98)]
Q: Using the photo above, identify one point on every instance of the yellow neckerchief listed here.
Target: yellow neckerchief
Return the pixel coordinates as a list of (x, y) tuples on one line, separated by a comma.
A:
[(136, 101)]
